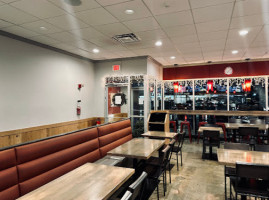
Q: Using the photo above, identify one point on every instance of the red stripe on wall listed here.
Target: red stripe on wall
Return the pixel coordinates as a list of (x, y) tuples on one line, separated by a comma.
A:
[(217, 70)]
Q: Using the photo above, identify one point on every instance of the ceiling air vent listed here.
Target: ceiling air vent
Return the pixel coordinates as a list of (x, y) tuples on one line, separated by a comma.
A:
[(126, 38)]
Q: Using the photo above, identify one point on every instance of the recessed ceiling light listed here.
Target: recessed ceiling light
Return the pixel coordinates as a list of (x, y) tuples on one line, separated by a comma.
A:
[(243, 32), (129, 12), (158, 43), (43, 28), (95, 50), (234, 52), (172, 57)]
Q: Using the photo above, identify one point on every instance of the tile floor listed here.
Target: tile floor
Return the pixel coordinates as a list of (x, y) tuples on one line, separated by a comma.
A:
[(197, 179)]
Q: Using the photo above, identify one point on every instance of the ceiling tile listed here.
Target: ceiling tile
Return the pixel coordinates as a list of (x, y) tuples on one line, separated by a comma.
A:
[(233, 34), (111, 2), (217, 35), (206, 3), (115, 48), (118, 10), (220, 43), (263, 35), (103, 42), (63, 46), (189, 47), (65, 37), (17, 30), (250, 7), (35, 26), (249, 21), (212, 13), (85, 5), (260, 44), (41, 8), (212, 26), (9, 1), (185, 39), (175, 19), (96, 16), (5, 24), (159, 7), (145, 24), (45, 39), (87, 33), (113, 29), (1, 3), (255, 52), (67, 22), (151, 35), (180, 31), (14, 15), (234, 44), (125, 53)]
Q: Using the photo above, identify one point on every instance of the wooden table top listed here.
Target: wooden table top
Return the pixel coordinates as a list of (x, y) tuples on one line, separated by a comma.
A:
[(87, 182), (231, 156), (237, 125), (160, 134), (141, 148), (206, 128)]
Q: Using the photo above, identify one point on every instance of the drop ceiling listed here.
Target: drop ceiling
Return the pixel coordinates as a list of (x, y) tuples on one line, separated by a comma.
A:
[(193, 31)]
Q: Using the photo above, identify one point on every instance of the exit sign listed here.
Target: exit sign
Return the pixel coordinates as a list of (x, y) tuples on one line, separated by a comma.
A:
[(115, 67)]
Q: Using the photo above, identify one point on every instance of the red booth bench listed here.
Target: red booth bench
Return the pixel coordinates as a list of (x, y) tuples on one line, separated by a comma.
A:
[(25, 167)]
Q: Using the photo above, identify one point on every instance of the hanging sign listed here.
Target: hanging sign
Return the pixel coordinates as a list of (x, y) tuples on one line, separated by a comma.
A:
[(115, 67)]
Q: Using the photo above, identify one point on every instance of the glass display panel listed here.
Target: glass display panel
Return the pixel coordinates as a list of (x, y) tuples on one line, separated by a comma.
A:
[(211, 94), (152, 96), (137, 97), (247, 94), (159, 96)]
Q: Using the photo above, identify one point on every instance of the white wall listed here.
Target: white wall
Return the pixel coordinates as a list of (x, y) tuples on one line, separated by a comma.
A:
[(39, 86), (104, 68), (154, 69)]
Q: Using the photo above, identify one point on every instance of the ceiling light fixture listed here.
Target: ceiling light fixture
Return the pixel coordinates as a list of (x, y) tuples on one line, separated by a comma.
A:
[(95, 51), (73, 2), (158, 43), (234, 52), (243, 32), (43, 28), (172, 57), (129, 12)]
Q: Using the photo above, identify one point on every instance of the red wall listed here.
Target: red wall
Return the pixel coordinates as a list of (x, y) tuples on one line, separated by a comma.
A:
[(217, 70)]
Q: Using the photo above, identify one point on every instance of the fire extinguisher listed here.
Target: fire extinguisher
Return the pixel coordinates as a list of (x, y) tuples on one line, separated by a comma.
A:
[(78, 108)]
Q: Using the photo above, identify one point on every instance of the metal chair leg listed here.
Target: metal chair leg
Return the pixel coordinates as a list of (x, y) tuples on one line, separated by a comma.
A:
[(170, 172), (181, 157), (177, 161), (158, 191)]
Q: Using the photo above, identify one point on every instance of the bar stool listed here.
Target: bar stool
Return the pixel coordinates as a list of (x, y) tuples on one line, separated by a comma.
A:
[(188, 124), (174, 125), (223, 128), (200, 124)]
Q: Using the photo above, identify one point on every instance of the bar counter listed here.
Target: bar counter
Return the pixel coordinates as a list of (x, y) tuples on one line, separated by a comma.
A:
[(215, 112)]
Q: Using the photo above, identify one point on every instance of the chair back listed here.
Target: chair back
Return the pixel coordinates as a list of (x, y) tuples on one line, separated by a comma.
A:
[(171, 144), (137, 187), (249, 170), (264, 148), (212, 136), (233, 120), (237, 146), (248, 131), (166, 152), (127, 196)]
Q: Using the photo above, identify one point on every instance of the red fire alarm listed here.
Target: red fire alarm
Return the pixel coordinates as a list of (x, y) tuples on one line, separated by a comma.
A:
[(115, 67), (80, 86)]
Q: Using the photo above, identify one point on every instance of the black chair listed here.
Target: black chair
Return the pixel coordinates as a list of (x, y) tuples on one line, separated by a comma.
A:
[(127, 196), (156, 168), (210, 139), (177, 149), (231, 134), (251, 180), (264, 148), (230, 171), (248, 135), (137, 187), (168, 164)]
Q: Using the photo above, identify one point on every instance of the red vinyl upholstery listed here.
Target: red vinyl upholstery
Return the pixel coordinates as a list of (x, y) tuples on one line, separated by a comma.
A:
[(113, 135), (9, 188), (42, 162)]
